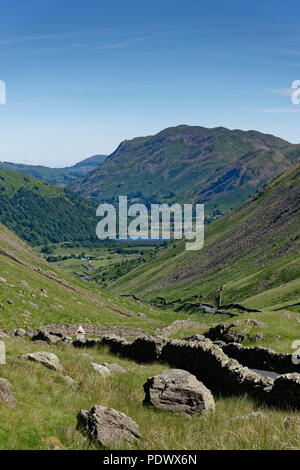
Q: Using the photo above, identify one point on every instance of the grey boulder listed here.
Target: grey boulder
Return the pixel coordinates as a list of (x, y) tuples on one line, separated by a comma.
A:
[(178, 390), (48, 359), (107, 426)]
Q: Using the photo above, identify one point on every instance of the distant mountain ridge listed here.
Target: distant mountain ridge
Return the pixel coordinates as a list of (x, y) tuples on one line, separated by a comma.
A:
[(56, 176), (218, 167)]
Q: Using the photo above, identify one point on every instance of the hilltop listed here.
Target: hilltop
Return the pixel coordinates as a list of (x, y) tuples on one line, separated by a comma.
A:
[(218, 167), (56, 176)]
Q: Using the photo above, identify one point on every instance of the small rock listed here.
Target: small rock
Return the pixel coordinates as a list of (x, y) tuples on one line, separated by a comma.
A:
[(290, 421), (69, 380), (114, 367), (24, 283), (178, 390), (86, 356), (33, 305), (6, 397), (3, 335), (257, 323), (20, 332), (30, 331), (10, 302), (1, 306), (104, 371), (107, 426), (2, 280), (48, 359), (256, 338)]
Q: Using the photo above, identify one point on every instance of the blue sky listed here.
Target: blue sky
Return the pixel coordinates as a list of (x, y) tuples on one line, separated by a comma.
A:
[(82, 76)]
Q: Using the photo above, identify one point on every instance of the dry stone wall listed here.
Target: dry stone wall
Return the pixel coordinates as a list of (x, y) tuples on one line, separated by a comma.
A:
[(261, 358), (94, 330)]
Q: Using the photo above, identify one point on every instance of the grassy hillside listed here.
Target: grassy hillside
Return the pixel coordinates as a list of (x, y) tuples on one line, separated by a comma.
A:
[(33, 293), (252, 254), (53, 296), (216, 166), (56, 176), (41, 213)]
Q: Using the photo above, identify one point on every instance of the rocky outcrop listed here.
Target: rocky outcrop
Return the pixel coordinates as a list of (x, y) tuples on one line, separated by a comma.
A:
[(107, 426), (6, 396), (48, 359), (178, 390)]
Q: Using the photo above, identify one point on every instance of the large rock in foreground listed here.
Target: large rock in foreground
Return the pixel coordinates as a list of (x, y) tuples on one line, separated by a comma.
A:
[(178, 390), (46, 358), (6, 397), (107, 426)]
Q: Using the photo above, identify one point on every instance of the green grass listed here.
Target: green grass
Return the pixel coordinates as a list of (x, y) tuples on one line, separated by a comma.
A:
[(68, 299), (252, 253), (109, 259), (46, 405)]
